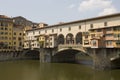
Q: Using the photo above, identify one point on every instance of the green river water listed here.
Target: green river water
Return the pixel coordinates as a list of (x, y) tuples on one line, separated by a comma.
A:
[(34, 70)]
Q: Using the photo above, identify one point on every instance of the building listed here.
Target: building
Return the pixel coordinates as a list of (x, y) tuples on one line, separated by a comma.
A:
[(18, 38), (84, 32), (107, 37), (6, 31), (11, 34), (36, 40)]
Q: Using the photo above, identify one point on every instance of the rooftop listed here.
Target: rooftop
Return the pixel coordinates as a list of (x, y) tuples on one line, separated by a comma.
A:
[(83, 20), (4, 16)]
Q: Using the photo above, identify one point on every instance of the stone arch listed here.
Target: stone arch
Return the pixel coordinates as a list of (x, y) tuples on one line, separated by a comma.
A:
[(61, 39), (69, 38), (78, 38), (68, 55), (75, 49)]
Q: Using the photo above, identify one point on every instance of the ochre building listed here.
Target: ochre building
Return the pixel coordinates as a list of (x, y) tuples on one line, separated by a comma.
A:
[(6, 31)]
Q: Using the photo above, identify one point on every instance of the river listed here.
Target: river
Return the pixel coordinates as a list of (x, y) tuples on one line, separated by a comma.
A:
[(34, 70)]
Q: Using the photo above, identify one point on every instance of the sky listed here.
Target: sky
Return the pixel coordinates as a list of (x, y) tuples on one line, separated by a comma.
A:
[(55, 11)]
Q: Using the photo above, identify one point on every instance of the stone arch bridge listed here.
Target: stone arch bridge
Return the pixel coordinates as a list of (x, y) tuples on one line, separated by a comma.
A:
[(102, 57)]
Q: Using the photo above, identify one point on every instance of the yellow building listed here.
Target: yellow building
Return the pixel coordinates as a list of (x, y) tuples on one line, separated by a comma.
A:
[(18, 36), (6, 30), (11, 35)]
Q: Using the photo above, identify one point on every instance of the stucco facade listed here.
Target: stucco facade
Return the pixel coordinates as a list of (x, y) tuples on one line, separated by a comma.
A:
[(6, 30)]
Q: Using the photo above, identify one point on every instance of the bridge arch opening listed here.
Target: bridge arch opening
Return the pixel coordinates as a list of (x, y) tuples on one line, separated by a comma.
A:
[(32, 54), (78, 38), (61, 39), (116, 62), (69, 38), (72, 56)]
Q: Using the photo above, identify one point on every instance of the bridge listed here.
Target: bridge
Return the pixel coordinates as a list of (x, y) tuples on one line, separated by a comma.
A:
[(102, 58), (93, 37)]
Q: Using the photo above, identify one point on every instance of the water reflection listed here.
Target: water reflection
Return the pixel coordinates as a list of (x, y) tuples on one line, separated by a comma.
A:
[(65, 72), (33, 70)]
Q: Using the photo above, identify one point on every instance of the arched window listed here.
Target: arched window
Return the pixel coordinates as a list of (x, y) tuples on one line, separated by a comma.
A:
[(69, 39), (79, 38), (61, 39)]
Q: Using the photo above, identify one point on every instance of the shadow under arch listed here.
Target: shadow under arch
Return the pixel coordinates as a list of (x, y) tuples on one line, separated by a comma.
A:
[(32, 54), (78, 38), (116, 63), (60, 39), (69, 56)]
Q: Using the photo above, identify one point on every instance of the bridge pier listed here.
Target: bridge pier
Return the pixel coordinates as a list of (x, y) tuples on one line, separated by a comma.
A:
[(45, 55), (101, 60)]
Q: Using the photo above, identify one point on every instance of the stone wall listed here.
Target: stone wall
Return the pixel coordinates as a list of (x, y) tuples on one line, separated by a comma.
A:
[(10, 55), (18, 55)]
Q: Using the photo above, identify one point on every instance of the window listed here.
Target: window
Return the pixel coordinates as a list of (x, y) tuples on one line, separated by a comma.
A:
[(91, 26), (20, 43), (94, 43), (6, 28), (50, 38), (20, 33), (1, 24), (80, 27), (6, 38), (105, 23), (39, 32), (9, 43), (117, 36), (116, 28), (99, 30), (19, 38), (69, 28), (109, 43), (38, 45), (60, 29), (108, 35), (45, 31), (108, 29), (14, 33), (52, 30), (14, 42)]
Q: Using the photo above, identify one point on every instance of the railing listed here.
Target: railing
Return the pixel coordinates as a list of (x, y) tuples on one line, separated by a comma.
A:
[(61, 46)]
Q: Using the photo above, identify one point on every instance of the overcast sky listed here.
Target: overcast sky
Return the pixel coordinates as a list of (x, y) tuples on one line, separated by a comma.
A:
[(55, 11)]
